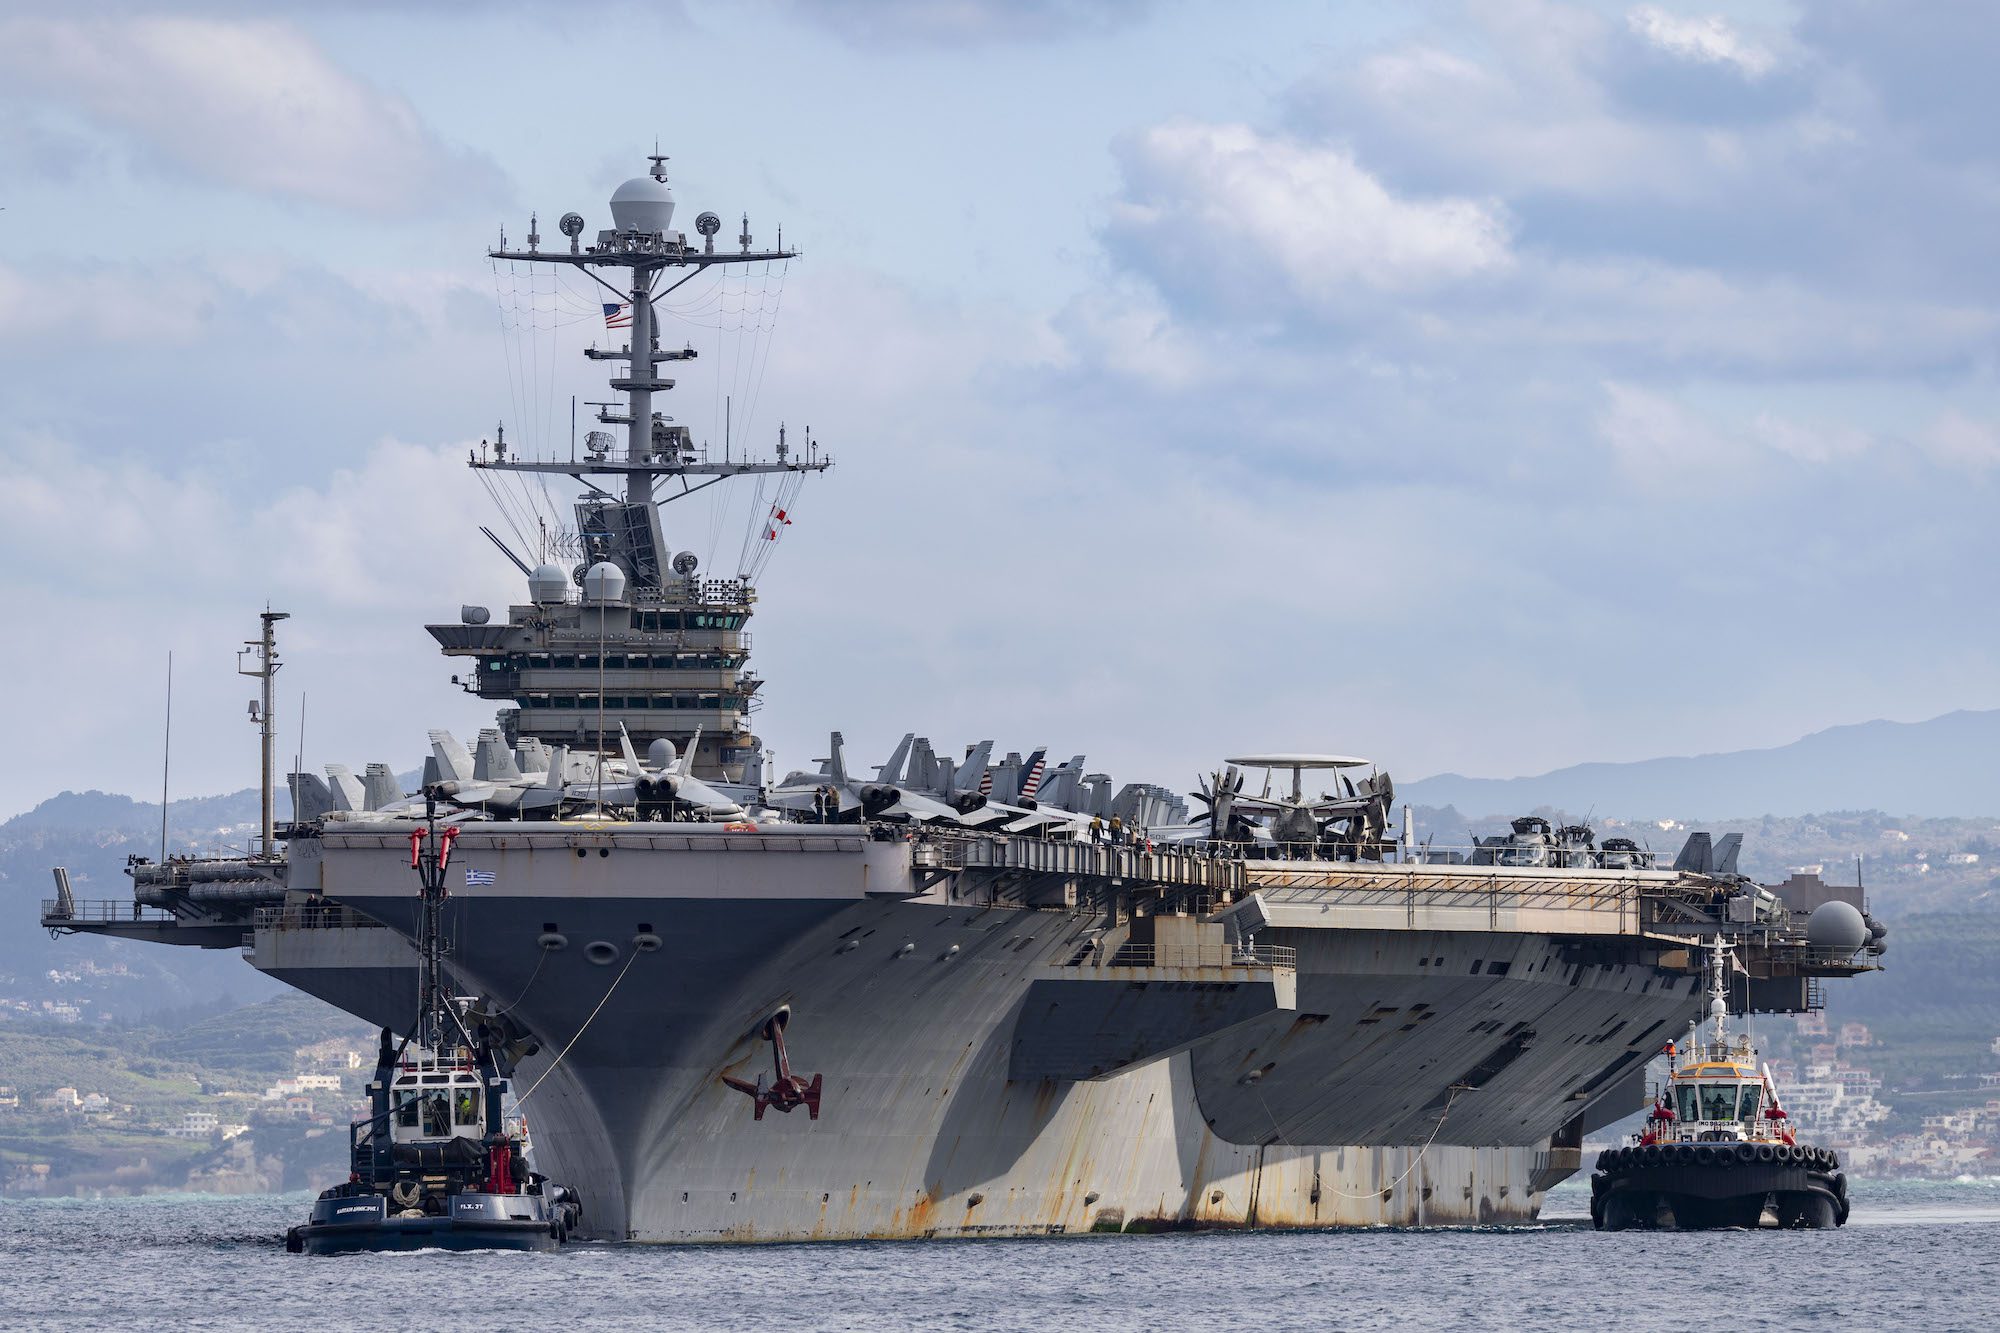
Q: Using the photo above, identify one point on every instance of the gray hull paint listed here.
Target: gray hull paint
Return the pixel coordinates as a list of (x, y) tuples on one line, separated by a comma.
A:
[(1356, 1109)]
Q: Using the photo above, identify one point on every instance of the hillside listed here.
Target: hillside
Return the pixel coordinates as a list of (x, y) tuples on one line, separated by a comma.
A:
[(1943, 767), (92, 834)]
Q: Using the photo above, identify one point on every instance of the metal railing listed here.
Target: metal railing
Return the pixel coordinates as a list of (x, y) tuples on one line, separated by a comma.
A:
[(1217, 954), (959, 850), (98, 911), (313, 916), (1504, 857)]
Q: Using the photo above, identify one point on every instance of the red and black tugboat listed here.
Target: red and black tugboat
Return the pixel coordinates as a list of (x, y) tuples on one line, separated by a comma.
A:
[(1718, 1149), (436, 1165)]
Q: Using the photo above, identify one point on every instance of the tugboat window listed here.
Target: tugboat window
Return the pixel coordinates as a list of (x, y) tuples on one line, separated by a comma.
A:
[(1751, 1098), (437, 1115), (468, 1107), (1690, 1108), (406, 1109), (1718, 1101)]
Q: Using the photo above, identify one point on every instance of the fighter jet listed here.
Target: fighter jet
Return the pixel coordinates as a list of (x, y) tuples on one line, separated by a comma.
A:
[(494, 783), (661, 787), (833, 795)]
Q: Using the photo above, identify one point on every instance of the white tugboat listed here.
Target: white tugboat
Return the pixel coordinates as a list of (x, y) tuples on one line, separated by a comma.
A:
[(436, 1165), (1718, 1149)]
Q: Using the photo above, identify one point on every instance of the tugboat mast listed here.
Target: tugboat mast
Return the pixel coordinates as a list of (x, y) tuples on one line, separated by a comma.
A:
[(1718, 992)]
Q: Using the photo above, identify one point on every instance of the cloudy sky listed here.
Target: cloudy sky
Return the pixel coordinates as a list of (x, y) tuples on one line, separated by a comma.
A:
[(1478, 385)]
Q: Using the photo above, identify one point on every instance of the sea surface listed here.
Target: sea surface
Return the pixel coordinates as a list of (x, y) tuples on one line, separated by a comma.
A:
[(1914, 1255)]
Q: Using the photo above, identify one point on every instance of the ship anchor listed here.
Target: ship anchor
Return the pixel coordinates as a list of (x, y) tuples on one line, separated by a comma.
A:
[(789, 1091)]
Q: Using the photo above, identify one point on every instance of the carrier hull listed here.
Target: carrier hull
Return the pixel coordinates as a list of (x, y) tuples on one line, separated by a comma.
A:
[(980, 1080)]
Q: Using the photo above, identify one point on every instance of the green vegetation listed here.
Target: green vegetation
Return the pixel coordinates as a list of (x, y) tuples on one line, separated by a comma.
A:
[(153, 1077)]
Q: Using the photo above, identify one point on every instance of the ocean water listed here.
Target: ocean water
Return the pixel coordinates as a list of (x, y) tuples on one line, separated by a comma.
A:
[(1914, 1255)]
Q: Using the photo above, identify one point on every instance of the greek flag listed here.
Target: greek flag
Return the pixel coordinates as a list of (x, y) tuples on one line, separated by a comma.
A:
[(477, 877)]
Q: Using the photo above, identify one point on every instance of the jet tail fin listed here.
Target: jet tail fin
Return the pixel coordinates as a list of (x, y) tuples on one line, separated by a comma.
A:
[(684, 766), (347, 791), (972, 772), (311, 797), (632, 764), (1031, 772), (1696, 854), (892, 772), (379, 787), (836, 763), (494, 762), (454, 763), (1723, 860), (558, 768)]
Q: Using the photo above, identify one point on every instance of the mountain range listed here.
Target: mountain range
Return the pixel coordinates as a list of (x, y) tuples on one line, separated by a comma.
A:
[(1946, 767)]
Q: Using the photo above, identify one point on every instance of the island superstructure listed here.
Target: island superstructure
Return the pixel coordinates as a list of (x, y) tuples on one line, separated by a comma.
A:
[(1023, 1000), (668, 659)]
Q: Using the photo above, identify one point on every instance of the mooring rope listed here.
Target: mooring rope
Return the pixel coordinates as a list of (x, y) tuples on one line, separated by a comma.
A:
[(1414, 1164), (522, 1099)]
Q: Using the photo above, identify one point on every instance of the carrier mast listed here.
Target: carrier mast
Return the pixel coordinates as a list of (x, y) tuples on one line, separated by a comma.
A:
[(262, 655), (641, 242), (648, 645)]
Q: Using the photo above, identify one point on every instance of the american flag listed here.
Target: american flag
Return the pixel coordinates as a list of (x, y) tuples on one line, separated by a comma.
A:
[(477, 877), (617, 316)]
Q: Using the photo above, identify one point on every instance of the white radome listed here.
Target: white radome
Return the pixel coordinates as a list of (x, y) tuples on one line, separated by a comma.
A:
[(604, 582), (643, 204), (548, 585)]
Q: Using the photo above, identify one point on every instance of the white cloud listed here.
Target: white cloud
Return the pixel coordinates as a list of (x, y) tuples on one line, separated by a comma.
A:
[(968, 22), (1210, 197), (183, 558), (249, 104), (1125, 328), (172, 306), (1663, 443), (1710, 40), (1960, 441)]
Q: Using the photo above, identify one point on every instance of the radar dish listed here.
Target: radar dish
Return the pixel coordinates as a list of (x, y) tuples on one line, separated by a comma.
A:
[(686, 563), (571, 224), (708, 224), (1300, 761)]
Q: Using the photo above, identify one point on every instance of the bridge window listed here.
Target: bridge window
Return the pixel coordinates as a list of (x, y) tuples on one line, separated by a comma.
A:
[(1718, 1101)]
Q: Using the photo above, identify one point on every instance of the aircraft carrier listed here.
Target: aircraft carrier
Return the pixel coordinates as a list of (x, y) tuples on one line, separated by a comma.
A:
[(959, 996)]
